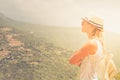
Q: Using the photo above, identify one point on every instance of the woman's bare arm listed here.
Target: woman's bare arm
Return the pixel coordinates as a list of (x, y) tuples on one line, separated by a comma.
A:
[(78, 56)]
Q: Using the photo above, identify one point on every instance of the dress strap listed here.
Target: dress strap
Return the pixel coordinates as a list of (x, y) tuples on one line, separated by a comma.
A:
[(99, 45)]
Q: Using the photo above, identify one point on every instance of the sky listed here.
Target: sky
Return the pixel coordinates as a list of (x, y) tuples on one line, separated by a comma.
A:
[(63, 12)]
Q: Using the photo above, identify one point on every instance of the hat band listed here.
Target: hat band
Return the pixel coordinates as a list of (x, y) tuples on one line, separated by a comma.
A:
[(92, 22)]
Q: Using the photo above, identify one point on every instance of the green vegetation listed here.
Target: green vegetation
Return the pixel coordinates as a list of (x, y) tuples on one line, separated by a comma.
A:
[(35, 60)]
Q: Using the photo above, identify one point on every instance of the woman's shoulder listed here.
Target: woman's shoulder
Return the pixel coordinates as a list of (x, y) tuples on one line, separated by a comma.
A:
[(90, 46), (92, 41)]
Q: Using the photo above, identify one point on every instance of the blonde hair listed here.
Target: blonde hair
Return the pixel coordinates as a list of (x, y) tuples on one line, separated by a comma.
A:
[(99, 33)]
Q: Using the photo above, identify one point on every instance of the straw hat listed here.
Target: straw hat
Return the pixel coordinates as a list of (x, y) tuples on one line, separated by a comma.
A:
[(96, 21)]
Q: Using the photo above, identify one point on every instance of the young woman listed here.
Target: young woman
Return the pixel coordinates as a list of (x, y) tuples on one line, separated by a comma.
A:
[(89, 56)]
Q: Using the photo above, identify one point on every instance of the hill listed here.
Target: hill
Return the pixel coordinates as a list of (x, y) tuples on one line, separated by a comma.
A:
[(25, 57)]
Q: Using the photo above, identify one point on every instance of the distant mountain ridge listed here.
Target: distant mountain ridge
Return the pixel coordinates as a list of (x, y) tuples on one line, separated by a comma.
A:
[(6, 21)]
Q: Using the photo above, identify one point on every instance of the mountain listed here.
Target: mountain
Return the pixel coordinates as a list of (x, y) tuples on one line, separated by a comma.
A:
[(6, 21), (24, 56)]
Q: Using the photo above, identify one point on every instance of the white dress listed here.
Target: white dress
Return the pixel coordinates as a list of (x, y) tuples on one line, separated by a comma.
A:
[(89, 64)]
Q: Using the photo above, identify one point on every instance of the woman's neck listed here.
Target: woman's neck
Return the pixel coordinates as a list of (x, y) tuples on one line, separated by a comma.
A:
[(92, 37)]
